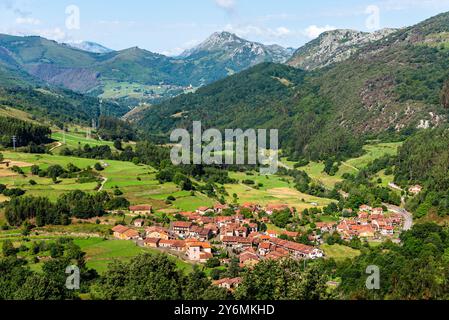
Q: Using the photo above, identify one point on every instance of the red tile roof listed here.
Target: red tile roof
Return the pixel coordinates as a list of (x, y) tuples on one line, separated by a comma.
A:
[(237, 240), (120, 229), (182, 224)]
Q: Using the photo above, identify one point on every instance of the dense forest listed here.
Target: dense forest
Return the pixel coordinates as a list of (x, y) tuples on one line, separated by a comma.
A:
[(112, 128), (57, 105), (424, 160), (25, 132), (76, 204), (266, 96)]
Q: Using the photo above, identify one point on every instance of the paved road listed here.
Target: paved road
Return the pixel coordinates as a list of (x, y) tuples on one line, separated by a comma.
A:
[(408, 217)]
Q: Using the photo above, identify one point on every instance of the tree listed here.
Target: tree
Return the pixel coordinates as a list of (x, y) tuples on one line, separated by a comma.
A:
[(1, 157), (213, 263), (195, 285), (145, 277), (445, 95), (8, 249), (35, 170), (118, 144), (283, 280), (98, 167)]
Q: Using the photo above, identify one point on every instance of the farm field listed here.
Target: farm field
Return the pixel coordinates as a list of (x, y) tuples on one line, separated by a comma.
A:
[(118, 89), (275, 190), (124, 175), (100, 253), (339, 252), (75, 140), (137, 182)]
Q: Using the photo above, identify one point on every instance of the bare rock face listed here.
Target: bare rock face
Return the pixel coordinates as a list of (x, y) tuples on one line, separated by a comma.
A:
[(334, 46)]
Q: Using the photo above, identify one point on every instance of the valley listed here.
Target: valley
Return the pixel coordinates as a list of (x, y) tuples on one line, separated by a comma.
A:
[(87, 176)]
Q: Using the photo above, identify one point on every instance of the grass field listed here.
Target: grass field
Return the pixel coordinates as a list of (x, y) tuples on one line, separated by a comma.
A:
[(374, 151), (75, 140), (137, 182), (15, 113), (352, 166), (100, 253), (117, 89), (339, 252), (275, 190)]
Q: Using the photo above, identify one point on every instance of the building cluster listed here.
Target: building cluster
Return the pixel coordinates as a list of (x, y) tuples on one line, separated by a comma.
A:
[(194, 235), (370, 223)]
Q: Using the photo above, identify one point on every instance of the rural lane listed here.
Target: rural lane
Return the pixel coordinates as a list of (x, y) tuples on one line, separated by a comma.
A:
[(408, 217)]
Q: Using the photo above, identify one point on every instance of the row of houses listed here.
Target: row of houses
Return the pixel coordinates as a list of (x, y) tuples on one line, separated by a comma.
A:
[(197, 251), (370, 223)]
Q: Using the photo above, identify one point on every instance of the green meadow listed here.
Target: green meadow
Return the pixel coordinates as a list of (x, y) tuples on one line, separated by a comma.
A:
[(100, 253), (372, 151), (272, 190)]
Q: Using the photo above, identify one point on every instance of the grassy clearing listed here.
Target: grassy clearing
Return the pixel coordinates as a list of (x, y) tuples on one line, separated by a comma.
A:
[(75, 140), (374, 151), (352, 166), (15, 113), (339, 252), (100, 253), (275, 189)]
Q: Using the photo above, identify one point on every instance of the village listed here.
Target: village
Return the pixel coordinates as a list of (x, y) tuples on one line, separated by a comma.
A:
[(207, 233)]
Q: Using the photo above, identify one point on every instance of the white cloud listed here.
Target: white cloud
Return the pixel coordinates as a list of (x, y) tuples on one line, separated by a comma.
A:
[(251, 30), (28, 21), (178, 50), (314, 31), (226, 4), (53, 34)]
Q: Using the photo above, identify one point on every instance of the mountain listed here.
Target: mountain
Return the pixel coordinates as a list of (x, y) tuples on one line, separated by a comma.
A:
[(390, 87), (89, 47), (224, 54), (334, 46), (60, 106), (135, 75)]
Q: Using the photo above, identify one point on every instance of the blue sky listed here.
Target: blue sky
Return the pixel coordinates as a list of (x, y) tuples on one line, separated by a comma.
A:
[(170, 26)]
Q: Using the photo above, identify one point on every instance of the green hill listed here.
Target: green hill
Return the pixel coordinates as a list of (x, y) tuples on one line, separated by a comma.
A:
[(392, 86)]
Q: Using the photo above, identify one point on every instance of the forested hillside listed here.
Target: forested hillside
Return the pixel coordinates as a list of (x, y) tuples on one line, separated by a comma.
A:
[(58, 105), (392, 86), (424, 160), (24, 132)]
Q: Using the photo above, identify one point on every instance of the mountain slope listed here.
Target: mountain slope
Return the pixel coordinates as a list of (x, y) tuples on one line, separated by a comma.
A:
[(394, 85), (88, 72), (224, 54), (333, 46), (59, 106), (89, 47)]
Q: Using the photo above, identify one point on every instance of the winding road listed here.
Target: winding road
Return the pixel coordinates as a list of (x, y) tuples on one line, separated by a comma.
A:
[(408, 217)]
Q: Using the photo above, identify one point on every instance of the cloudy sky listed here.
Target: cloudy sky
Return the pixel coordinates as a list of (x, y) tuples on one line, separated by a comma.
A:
[(170, 26)]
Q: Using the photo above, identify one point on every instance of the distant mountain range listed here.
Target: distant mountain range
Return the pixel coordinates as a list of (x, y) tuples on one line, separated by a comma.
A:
[(393, 84), (91, 68)]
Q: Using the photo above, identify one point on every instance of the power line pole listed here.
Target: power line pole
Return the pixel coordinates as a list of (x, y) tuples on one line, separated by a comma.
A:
[(14, 140)]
